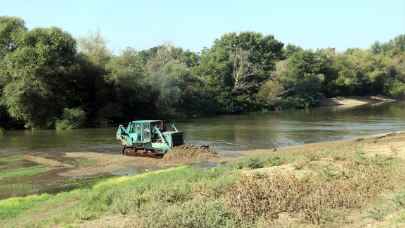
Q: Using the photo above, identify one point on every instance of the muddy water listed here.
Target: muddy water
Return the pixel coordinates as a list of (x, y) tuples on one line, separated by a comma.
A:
[(232, 132)]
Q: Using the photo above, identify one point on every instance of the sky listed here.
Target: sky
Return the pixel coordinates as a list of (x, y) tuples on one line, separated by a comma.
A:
[(193, 25)]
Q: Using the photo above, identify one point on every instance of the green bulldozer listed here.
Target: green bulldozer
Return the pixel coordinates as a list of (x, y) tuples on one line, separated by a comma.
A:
[(148, 137)]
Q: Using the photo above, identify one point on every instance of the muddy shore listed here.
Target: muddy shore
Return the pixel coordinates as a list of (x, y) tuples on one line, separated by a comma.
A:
[(82, 164)]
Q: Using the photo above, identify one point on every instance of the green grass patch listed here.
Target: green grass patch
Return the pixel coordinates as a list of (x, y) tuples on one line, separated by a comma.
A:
[(166, 189), (11, 207), (11, 158), (24, 171)]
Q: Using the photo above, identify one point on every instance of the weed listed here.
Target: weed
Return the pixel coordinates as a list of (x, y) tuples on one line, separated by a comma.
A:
[(313, 156), (399, 200), (330, 173), (274, 161), (298, 165), (338, 157), (376, 214), (255, 163), (251, 163)]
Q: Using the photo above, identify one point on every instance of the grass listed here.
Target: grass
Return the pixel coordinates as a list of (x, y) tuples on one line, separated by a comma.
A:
[(15, 166), (9, 161), (261, 190), (10, 208), (21, 177), (125, 195), (23, 172)]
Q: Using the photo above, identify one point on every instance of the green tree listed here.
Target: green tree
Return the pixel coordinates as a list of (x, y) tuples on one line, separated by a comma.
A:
[(11, 30), (180, 92), (360, 72), (290, 49), (395, 46), (297, 81), (237, 65), (39, 70), (132, 93), (95, 48)]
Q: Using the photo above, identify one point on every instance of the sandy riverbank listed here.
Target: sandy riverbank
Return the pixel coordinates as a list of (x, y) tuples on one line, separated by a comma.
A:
[(352, 183), (94, 164), (349, 102)]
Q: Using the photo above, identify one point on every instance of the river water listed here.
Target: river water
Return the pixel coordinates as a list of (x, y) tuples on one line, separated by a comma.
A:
[(231, 133)]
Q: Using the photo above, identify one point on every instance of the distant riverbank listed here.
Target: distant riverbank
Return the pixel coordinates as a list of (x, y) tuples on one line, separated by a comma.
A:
[(348, 102)]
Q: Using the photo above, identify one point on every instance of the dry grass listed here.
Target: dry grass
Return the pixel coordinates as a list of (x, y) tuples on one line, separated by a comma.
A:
[(313, 198)]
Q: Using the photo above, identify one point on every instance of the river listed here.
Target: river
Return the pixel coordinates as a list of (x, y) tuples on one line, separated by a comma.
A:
[(230, 133)]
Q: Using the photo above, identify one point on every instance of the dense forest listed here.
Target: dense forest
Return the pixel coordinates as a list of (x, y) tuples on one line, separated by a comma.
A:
[(48, 79)]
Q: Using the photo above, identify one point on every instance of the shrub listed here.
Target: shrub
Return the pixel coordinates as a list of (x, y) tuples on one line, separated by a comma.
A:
[(397, 89), (71, 118), (251, 163), (377, 214), (275, 161)]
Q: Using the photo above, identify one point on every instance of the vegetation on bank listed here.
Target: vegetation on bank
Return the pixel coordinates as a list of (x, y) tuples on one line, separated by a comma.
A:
[(330, 185), (48, 79)]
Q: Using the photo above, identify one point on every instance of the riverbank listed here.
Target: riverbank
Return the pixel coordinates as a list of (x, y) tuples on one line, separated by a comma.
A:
[(349, 102), (353, 183)]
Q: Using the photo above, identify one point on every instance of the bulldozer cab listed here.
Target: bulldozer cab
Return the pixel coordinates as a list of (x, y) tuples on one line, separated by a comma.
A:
[(143, 130), (153, 135)]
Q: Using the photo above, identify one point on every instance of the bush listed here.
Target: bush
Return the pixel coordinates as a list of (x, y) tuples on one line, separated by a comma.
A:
[(257, 163), (397, 90), (72, 118)]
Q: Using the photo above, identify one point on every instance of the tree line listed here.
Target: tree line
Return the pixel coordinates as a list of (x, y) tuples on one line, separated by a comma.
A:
[(48, 79)]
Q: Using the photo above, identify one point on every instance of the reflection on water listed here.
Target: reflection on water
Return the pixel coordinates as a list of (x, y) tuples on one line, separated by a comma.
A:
[(232, 132)]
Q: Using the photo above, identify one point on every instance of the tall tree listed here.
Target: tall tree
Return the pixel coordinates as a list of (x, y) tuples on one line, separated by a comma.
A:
[(39, 70), (239, 63), (132, 93), (95, 48), (11, 30)]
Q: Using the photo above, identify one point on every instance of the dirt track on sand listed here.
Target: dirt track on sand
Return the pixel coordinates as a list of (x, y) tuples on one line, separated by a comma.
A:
[(93, 163)]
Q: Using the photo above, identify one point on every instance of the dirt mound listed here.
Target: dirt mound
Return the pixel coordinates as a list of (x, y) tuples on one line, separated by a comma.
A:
[(190, 153)]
